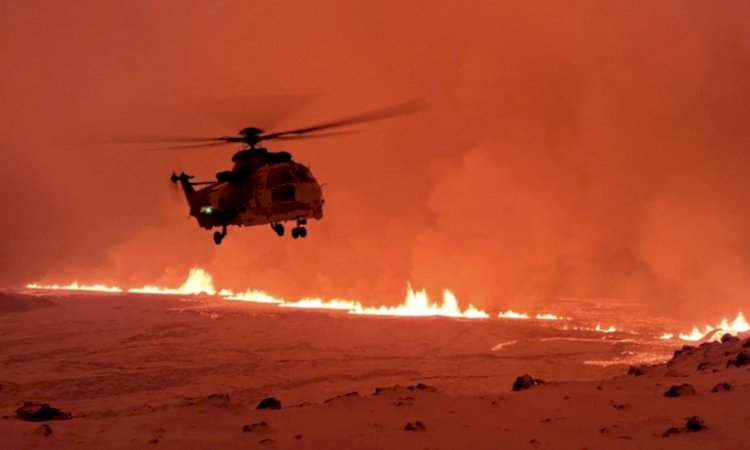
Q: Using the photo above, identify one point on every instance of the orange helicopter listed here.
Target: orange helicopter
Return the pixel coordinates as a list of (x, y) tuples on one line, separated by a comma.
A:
[(264, 187)]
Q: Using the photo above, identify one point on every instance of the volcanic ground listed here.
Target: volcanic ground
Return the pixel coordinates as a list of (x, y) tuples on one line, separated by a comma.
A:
[(143, 371)]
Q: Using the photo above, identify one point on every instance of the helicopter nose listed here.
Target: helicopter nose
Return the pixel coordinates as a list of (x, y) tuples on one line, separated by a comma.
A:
[(308, 192)]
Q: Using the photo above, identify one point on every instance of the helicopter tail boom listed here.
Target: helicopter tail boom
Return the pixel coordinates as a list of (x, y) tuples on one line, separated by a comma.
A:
[(187, 186)]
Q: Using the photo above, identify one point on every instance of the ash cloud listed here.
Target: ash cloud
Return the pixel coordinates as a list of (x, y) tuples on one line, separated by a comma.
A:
[(591, 150)]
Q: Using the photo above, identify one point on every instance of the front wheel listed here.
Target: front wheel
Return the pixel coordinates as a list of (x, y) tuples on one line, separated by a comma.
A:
[(218, 237)]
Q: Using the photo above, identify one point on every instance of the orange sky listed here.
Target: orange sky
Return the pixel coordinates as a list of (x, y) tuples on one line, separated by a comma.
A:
[(599, 149)]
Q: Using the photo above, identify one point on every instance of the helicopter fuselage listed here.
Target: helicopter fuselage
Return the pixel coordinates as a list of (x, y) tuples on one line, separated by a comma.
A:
[(262, 188)]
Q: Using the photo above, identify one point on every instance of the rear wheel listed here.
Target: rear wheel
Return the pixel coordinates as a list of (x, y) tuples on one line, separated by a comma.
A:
[(303, 232), (218, 237), (279, 229), (295, 233)]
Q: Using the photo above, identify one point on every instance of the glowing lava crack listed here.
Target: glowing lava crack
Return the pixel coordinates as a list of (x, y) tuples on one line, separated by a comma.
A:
[(416, 304)]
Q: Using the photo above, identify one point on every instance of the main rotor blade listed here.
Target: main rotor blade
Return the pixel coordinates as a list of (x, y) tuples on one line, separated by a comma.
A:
[(187, 146), (157, 138), (317, 135), (401, 109)]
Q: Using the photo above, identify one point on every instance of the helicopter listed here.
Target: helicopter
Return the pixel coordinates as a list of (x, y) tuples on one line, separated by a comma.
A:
[(263, 187)]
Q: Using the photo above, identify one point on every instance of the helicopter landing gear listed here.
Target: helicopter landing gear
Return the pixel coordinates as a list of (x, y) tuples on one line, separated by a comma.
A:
[(219, 235), (300, 231), (278, 228)]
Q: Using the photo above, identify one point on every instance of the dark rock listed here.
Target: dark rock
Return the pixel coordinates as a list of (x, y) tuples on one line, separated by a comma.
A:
[(729, 339), (297, 436), (416, 426), (694, 423), (604, 430), (269, 403), (599, 388), (703, 366), (721, 387), (742, 359), (349, 394), (40, 412), (637, 371), (422, 387), (255, 427), (44, 429), (746, 343), (533, 441), (267, 441), (707, 345), (680, 391), (525, 382), (384, 389), (670, 431), (154, 441)]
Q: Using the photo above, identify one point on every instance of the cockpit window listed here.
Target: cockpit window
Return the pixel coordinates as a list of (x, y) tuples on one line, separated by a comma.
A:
[(279, 176), (302, 173)]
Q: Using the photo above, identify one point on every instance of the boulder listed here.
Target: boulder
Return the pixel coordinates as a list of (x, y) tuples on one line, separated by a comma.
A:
[(525, 382), (722, 387), (670, 431), (347, 395), (680, 391), (416, 426), (729, 339), (637, 371), (256, 427), (269, 403), (694, 423), (422, 387), (40, 412), (742, 359)]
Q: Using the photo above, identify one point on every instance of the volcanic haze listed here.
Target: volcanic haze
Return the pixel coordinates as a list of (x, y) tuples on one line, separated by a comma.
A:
[(585, 149)]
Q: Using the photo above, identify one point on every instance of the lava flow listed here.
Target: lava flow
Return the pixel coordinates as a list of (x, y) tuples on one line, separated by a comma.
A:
[(416, 304)]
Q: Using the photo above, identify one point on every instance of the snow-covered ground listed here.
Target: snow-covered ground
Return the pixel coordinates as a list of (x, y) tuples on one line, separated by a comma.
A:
[(171, 372)]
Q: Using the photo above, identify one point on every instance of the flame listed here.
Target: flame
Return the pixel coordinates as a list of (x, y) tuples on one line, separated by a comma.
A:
[(418, 304), (548, 316), (738, 325), (198, 282), (74, 286), (611, 329), (510, 314), (252, 295), (316, 303)]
